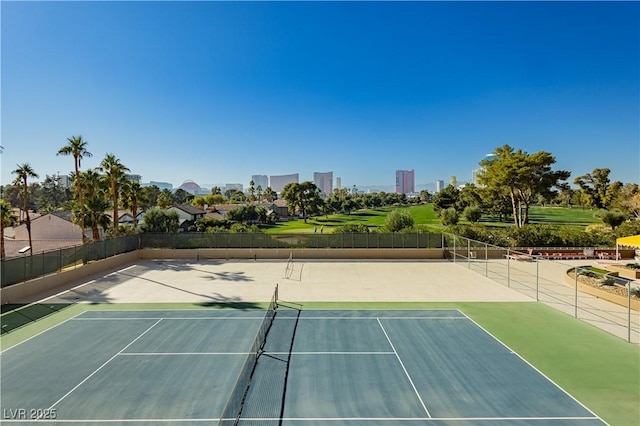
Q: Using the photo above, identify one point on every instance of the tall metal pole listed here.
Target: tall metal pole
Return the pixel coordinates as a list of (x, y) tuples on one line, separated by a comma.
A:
[(508, 267), (575, 310), (486, 260), (629, 311), (537, 280)]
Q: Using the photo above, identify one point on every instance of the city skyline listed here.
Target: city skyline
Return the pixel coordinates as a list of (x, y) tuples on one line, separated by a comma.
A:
[(220, 91)]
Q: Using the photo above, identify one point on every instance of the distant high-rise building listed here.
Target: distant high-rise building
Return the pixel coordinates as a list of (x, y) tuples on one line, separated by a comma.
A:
[(260, 180), (405, 181), (230, 186), (324, 181), (439, 185), (278, 182), (160, 185), (453, 182), (338, 182), (134, 178)]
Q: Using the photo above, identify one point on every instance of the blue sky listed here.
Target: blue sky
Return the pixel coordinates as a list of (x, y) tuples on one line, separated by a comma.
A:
[(216, 92)]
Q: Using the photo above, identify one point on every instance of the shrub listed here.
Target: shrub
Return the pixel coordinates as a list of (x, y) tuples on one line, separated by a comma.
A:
[(351, 228), (607, 281), (398, 220), (472, 213), (449, 216)]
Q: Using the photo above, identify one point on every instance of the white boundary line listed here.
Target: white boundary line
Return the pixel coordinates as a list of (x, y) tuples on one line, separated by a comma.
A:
[(308, 419), (162, 318), (42, 332), (105, 363), (538, 371), (180, 353), (404, 369)]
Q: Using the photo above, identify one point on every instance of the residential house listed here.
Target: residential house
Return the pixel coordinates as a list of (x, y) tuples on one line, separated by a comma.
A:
[(187, 215)]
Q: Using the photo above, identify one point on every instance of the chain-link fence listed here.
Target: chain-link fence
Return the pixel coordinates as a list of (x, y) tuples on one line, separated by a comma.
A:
[(23, 268), (555, 282), (194, 240), (29, 266)]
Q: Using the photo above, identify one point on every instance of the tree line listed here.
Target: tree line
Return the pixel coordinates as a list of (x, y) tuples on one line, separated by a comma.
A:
[(509, 183)]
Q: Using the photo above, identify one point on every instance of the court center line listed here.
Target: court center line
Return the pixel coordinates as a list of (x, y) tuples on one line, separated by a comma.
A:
[(535, 369), (403, 368), (105, 363)]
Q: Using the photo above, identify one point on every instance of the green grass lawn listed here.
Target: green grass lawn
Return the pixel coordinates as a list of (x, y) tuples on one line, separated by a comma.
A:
[(422, 215), (562, 215), (425, 215)]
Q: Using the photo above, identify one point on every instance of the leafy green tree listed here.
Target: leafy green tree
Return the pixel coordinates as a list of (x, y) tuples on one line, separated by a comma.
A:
[(270, 195), (180, 196), (425, 196), (522, 176), (157, 220), (446, 198), (468, 195), (23, 173), (116, 176), (303, 197), (613, 218), (151, 199), (629, 200), (398, 220), (597, 188), (472, 213), (259, 192), (248, 213), (52, 194), (77, 148), (449, 216)]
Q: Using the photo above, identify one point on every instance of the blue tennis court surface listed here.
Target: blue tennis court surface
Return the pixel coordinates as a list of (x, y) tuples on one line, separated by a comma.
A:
[(344, 367)]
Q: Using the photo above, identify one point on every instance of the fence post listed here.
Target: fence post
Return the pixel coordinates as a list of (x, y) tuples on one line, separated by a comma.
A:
[(575, 310), (629, 311), (537, 280), (486, 260), (454, 250), (508, 267), (469, 254)]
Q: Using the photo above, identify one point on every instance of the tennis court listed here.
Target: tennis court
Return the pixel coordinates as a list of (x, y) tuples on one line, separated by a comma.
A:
[(317, 367)]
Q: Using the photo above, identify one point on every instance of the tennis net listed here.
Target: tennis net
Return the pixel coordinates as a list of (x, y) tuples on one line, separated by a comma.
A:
[(233, 408)]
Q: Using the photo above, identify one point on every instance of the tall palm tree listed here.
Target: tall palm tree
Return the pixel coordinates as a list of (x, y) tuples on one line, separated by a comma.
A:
[(23, 173), (77, 147), (5, 220), (132, 194), (95, 202), (116, 175)]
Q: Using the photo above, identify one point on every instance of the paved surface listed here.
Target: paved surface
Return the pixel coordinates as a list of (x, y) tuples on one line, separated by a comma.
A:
[(251, 281), (220, 281)]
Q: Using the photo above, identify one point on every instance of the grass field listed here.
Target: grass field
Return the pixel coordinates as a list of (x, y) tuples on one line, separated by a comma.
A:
[(600, 370), (426, 216)]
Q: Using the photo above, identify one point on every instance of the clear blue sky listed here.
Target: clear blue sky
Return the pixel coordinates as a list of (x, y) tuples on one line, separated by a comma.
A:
[(216, 92)]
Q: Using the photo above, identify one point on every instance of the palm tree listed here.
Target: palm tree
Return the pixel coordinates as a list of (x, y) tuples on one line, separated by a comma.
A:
[(95, 215), (5, 220), (115, 174), (77, 147), (132, 193), (95, 202), (23, 172)]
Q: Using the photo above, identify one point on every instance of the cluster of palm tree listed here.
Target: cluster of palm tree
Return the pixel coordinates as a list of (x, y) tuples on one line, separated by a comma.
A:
[(95, 191)]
